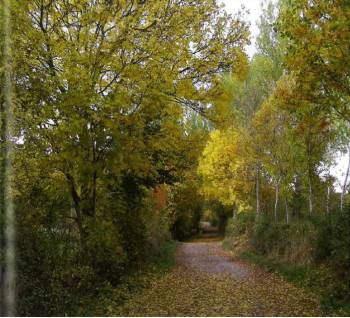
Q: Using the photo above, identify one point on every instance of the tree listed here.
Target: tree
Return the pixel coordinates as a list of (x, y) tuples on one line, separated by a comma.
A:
[(274, 134), (227, 168), (249, 92), (270, 43), (318, 38), (100, 88)]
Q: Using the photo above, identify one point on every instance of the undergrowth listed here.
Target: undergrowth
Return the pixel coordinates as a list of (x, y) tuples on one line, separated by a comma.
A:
[(110, 297), (317, 279), (312, 254)]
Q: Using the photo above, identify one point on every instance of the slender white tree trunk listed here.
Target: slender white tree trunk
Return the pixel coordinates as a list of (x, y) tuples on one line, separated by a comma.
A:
[(287, 211), (345, 182), (276, 199), (309, 152), (234, 214), (328, 195), (310, 198), (257, 191)]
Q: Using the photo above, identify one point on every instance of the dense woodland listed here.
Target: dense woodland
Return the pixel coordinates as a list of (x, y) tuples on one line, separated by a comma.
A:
[(135, 120)]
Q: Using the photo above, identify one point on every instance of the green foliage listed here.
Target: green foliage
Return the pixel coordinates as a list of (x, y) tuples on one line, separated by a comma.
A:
[(50, 272), (292, 242), (105, 95), (314, 255), (187, 210), (109, 297), (157, 222), (109, 256), (241, 224), (292, 272), (333, 248), (318, 279), (317, 36)]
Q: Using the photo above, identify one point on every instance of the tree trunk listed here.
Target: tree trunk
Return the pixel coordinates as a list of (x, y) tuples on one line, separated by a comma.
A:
[(79, 217), (94, 191), (276, 199), (79, 221), (297, 198), (310, 197), (345, 182), (257, 192), (222, 223), (287, 211), (309, 171), (94, 179), (327, 202)]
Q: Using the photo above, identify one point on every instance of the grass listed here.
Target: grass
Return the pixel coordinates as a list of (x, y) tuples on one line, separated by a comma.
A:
[(164, 260), (294, 273), (318, 280)]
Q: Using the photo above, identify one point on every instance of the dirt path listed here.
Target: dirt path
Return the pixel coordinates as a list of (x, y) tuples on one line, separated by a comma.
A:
[(206, 282), (209, 258)]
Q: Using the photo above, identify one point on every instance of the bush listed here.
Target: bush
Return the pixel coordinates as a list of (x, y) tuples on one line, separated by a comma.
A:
[(333, 249), (157, 223), (241, 224), (290, 242), (55, 278), (49, 273), (314, 253), (105, 246)]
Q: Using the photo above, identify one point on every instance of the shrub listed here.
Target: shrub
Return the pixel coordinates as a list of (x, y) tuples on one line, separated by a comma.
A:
[(241, 224)]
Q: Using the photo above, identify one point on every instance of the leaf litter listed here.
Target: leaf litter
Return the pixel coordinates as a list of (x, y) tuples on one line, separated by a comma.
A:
[(207, 282)]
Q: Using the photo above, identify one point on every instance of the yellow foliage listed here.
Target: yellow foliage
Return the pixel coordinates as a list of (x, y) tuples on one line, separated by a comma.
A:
[(226, 167)]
